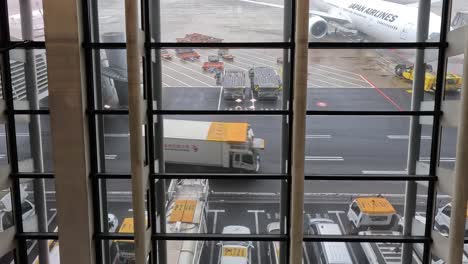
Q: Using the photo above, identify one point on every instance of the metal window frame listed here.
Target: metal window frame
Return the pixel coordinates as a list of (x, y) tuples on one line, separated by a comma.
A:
[(437, 113)]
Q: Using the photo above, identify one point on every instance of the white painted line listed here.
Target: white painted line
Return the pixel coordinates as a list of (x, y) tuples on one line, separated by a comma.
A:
[(220, 95), (111, 156), (256, 212), (214, 231), (324, 158), (442, 159), (344, 232), (117, 135), (269, 61), (324, 66), (186, 84), (209, 85), (340, 75), (195, 71), (306, 254), (53, 209), (385, 172), (253, 63), (18, 134), (2, 156), (266, 55), (406, 137), (318, 136), (338, 80)]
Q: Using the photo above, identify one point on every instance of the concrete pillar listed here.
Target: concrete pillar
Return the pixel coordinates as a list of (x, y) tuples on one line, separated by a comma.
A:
[(69, 130), (460, 181), (299, 127)]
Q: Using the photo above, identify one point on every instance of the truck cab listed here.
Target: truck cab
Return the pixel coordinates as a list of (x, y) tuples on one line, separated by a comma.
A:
[(235, 252), (371, 213), (442, 219)]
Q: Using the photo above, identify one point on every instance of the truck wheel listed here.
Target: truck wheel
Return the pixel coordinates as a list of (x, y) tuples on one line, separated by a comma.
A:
[(399, 70)]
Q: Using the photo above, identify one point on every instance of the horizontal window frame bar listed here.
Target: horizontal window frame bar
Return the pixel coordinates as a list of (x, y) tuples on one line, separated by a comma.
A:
[(38, 236), (371, 178), (369, 239), (371, 113), (27, 44), (219, 176), (32, 175), (117, 176), (114, 236), (233, 45), (219, 237), (377, 45), (268, 112), (195, 112), (28, 112), (273, 45)]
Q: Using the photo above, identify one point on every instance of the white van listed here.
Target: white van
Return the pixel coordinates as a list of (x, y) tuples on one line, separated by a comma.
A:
[(328, 252), (235, 252), (442, 219)]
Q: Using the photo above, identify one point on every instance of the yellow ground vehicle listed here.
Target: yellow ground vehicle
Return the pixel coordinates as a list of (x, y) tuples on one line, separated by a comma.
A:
[(371, 213), (452, 84)]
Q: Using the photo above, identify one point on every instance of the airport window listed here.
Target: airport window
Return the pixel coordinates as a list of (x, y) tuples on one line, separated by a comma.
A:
[(217, 83)]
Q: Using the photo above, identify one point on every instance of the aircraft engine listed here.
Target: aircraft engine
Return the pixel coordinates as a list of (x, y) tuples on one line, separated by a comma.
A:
[(318, 27)]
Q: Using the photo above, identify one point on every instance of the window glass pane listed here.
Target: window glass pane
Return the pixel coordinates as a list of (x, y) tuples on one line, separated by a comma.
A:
[(378, 145), (35, 20), (341, 252), (33, 142), (209, 143), (3, 146), (220, 251), (110, 22), (111, 90), (38, 205), (236, 21), (329, 204), (114, 139), (223, 79), (217, 206), (8, 258), (376, 21), (29, 79), (366, 80), (117, 200), (53, 248)]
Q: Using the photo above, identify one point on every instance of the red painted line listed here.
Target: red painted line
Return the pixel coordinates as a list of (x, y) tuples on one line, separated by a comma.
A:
[(382, 94)]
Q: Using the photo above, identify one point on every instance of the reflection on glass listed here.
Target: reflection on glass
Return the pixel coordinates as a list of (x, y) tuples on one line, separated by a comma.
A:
[(34, 20), (29, 81)]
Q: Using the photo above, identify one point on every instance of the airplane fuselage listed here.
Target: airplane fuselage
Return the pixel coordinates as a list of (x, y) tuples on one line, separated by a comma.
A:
[(385, 21)]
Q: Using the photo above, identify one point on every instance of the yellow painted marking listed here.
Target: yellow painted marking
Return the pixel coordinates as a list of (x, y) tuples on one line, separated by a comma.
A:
[(189, 211), (409, 91), (234, 252), (178, 211), (184, 211), (375, 205)]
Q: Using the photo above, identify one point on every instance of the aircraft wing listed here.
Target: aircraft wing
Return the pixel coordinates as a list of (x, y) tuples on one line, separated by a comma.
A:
[(324, 15)]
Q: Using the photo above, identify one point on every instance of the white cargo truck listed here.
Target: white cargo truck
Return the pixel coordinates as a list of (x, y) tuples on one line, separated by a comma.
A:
[(220, 145)]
